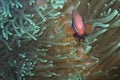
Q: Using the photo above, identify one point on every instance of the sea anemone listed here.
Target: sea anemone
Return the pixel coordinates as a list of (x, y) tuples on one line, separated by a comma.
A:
[(36, 43), (22, 23)]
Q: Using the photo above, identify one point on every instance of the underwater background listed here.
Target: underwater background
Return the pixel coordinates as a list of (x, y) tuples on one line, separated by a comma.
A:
[(36, 43)]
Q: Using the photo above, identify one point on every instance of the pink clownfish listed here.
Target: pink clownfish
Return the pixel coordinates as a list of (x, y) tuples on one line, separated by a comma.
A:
[(78, 29), (78, 25)]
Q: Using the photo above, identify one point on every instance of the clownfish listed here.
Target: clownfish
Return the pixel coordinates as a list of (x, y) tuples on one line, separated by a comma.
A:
[(78, 28), (78, 25)]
